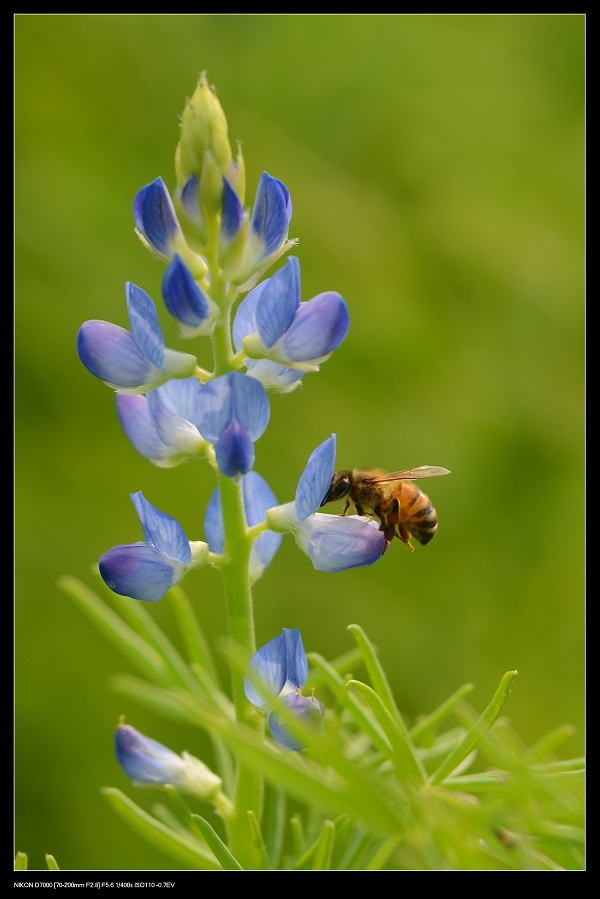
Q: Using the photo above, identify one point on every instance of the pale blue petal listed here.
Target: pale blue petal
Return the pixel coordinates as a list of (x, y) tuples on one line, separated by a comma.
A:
[(110, 353), (278, 302), (172, 409), (214, 408), (138, 426), (155, 216), (183, 297), (139, 571), (318, 328), (245, 321), (232, 396), (315, 480), (337, 542), (162, 531), (213, 524), (271, 214), (280, 662), (145, 328), (250, 404)]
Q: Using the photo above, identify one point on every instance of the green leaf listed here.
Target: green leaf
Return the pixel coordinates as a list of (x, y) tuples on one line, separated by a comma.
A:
[(429, 722), (376, 673), (21, 861), (407, 767), (362, 718), (51, 863), (318, 856), (216, 844), (133, 647), (185, 850), (487, 719), (195, 642)]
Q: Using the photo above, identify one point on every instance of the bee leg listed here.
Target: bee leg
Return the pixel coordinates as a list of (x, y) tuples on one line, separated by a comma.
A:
[(388, 533), (347, 506), (405, 537), (359, 508)]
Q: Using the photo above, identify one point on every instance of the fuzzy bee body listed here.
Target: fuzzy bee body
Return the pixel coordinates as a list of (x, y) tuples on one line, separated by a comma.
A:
[(402, 509)]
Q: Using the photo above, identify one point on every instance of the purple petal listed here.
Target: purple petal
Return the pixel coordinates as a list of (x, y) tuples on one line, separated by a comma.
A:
[(308, 711), (279, 662), (161, 531), (139, 571), (232, 213), (234, 450), (155, 217), (318, 328), (336, 542), (145, 328), (144, 760), (315, 480), (183, 298), (110, 353)]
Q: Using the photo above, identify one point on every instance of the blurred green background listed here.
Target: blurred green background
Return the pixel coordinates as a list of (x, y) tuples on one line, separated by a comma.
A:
[(436, 166)]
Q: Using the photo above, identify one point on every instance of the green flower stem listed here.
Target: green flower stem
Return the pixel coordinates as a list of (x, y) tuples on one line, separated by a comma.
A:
[(235, 571)]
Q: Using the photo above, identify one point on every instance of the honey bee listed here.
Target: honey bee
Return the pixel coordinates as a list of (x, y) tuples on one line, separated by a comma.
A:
[(402, 509)]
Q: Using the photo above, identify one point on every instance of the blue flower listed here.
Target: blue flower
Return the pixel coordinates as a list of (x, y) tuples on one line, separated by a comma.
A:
[(249, 248), (332, 542), (146, 761), (258, 498), (132, 361), (158, 227), (272, 323), (147, 570), (156, 220), (276, 674), (233, 412), (162, 424), (187, 302)]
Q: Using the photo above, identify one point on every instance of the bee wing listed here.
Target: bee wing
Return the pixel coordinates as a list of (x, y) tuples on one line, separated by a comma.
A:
[(412, 474)]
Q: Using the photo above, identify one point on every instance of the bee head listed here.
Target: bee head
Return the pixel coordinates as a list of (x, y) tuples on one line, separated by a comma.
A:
[(340, 485)]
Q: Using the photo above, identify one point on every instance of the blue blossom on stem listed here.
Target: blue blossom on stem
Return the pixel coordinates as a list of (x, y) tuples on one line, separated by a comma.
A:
[(132, 361), (147, 570), (264, 237), (187, 302), (233, 412), (276, 674), (161, 425), (332, 542), (146, 761), (258, 498), (272, 323)]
